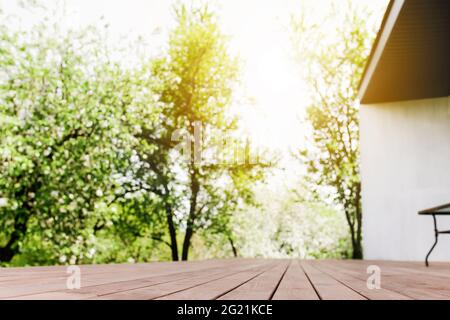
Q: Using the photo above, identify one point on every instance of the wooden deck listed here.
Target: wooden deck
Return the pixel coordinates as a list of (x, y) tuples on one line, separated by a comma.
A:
[(234, 279)]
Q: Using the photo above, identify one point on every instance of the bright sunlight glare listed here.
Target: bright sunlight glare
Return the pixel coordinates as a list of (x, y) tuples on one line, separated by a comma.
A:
[(272, 83)]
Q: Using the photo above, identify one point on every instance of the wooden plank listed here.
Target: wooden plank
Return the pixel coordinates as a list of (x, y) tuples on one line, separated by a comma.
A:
[(403, 281), (327, 287), (214, 289), (417, 281), (14, 276), (181, 274), (358, 284), (232, 279), (412, 279), (113, 282), (156, 291), (438, 270), (295, 285), (261, 287)]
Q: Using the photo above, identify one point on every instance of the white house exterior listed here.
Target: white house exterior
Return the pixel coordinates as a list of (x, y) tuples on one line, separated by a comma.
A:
[(405, 167), (405, 132)]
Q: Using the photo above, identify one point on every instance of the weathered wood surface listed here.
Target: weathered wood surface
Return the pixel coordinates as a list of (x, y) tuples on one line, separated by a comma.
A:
[(233, 279)]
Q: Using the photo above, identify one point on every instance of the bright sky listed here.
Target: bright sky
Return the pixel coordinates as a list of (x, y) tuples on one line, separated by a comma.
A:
[(258, 30)]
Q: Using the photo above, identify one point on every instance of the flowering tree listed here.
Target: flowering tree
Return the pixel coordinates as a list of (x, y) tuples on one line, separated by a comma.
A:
[(194, 82), (335, 61), (60, 137)]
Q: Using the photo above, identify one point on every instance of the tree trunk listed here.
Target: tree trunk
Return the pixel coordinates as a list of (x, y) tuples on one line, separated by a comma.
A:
[(172, 233), (8, 252), (187, 244), (233, 247), (357, 251), (191, 219), (195, 188)]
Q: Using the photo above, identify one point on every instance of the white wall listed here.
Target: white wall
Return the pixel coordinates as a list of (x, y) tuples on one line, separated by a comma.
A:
[(405, 167)]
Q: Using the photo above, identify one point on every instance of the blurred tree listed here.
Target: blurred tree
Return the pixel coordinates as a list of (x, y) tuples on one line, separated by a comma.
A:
[(92, 168), (284, 225), (334, 55), (60, 137), (197, 140)]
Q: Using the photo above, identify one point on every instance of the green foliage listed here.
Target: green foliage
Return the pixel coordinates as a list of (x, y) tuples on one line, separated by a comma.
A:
[(194, 81), (103, 163), (335, 62), (285, 226), (91, 168), (61, 138)]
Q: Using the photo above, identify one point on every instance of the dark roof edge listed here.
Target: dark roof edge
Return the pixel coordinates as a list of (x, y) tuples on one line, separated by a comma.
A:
[(375, 43), (389, 19)]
